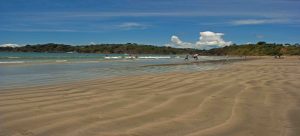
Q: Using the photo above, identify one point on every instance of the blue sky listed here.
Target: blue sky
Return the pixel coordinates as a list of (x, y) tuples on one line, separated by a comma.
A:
[(147, 21)]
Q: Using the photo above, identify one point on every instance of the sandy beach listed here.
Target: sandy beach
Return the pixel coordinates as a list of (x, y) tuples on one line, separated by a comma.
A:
[(248, 98)]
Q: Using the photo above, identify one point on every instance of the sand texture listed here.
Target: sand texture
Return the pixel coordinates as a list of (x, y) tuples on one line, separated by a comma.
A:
[(249, 98)]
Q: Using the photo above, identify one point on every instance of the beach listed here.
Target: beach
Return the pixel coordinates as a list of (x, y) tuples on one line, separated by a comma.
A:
[(259, 97)]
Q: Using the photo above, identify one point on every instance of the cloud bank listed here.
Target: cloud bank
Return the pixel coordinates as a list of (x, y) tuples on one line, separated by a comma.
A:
[(207, 40), (9, 45)]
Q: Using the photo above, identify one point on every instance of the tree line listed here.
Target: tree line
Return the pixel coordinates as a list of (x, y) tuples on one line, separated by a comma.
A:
[(128, 48), (258, 49)]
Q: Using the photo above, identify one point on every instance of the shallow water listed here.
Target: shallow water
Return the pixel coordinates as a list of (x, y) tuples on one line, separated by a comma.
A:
[(26, 69)]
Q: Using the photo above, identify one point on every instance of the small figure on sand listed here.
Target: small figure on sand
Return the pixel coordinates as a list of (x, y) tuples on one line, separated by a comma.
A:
[(226, 59), (195, 56), (186, 57)]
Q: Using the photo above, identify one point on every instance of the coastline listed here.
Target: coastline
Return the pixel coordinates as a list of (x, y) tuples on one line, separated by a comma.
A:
[(193, 62), (257, 97), (68, 71)]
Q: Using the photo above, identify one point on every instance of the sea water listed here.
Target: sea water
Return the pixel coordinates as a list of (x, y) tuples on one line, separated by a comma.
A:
[(27, 69)]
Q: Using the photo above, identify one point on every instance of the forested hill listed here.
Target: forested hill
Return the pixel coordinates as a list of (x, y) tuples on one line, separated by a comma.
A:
[(260, 48), (129, 48)]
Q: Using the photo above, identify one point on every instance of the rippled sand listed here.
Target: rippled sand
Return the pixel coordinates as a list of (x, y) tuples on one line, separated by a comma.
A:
[(250, 98)]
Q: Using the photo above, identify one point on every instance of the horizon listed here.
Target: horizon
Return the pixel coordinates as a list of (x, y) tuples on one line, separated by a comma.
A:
[(90, 44), (197, 24), (140, 44)]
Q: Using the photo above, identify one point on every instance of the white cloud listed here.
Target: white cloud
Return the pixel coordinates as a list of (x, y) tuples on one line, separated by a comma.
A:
[(9, 45), (132, 25), (210, 39), (259, 21), (178, 43), (207, 40)]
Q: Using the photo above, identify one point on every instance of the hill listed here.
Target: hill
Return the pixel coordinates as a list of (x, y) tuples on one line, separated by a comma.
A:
[(129, 48), (258, 49)]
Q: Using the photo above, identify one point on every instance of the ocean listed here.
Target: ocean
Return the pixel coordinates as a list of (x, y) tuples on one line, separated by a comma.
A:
[(30, 69)]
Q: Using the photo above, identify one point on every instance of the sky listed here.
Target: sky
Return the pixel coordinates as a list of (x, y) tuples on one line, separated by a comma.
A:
[(180, 23)]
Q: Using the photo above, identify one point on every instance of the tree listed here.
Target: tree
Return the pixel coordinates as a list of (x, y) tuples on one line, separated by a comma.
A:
[(261, 43)]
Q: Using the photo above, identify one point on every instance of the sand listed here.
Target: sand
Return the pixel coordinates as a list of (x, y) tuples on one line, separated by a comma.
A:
[(248, 98)]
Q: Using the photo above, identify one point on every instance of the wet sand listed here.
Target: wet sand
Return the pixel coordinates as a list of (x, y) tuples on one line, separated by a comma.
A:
[(249, 98)]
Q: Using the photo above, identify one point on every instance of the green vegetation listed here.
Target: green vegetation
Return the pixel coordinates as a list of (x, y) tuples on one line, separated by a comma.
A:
[(129, 48), (258, 49)]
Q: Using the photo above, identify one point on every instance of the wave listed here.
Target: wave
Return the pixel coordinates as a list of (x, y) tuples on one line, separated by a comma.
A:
[(114, 57), (130, 57), (13, 57), (155, 57), (137, 57), (61, 60), (11, 62)]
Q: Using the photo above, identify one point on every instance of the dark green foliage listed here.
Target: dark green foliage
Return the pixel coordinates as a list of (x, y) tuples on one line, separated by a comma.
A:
[(129, 48), (261, 48), (50, 47)]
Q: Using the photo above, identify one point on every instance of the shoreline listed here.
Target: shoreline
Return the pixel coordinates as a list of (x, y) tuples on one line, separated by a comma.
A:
[(257, 97), (141, 66), (225, 63), (192, 62)]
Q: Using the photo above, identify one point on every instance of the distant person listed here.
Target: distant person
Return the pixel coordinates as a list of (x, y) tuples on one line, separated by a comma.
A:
[(226, 59), (186, 57), (195, 56)]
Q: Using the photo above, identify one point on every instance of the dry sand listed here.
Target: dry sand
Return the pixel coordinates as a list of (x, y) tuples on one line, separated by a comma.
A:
[(250, 98)]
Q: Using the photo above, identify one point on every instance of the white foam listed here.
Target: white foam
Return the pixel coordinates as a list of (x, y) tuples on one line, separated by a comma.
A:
[(11, 62), (61, 60), (113, 57), (155, 57), (129, 57), (70, 52), (13, 57)]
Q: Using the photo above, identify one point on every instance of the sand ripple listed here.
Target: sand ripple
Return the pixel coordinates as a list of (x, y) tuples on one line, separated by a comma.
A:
[(251, 98)]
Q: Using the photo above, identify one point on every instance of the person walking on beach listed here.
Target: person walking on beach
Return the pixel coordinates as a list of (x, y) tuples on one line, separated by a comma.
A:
[(195, 56), (186, 57)]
